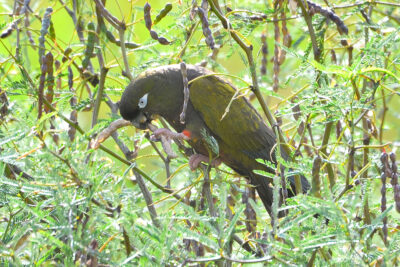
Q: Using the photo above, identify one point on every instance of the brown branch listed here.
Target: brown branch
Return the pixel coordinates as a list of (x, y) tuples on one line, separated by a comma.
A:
[(147, 198), (115, 125), (366, 3), (307, 18), (100, 94)]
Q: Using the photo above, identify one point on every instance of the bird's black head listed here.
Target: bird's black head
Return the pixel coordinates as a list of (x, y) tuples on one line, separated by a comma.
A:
[(147, 96)]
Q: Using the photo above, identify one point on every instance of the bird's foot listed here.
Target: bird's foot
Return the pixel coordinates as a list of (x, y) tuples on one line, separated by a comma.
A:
[(196, 159), (157, 134)]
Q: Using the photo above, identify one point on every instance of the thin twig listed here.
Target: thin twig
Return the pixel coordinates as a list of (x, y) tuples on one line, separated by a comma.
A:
[(100, 94), (307, 18), (147, 197)]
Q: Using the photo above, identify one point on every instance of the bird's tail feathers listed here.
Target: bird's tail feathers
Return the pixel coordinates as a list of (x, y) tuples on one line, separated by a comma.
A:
[(265, 190)]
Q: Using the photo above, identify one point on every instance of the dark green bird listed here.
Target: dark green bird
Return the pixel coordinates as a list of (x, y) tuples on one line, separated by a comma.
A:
[(241, 133)]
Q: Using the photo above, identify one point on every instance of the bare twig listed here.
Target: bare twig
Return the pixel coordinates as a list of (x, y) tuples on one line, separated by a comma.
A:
[(366, 3), (100, 95), (147, 198), (277, 56), (307, 18), (115, 125)]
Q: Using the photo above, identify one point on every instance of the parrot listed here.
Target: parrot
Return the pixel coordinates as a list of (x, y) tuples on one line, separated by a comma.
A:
[(213, 112)]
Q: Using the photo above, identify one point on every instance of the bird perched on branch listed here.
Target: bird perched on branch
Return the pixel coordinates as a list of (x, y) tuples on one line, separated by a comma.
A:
[(216, 124)]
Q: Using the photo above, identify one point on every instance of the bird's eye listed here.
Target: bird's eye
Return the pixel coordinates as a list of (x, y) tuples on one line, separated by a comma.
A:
[(143, 101)]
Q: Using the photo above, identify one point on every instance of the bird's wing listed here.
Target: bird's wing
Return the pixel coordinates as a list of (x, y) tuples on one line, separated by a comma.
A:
[(239, 125)]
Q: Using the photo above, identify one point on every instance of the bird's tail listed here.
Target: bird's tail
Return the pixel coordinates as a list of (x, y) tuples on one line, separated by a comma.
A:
[(265, 190)]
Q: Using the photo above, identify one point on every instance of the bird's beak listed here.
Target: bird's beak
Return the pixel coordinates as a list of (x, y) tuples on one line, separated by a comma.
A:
[(140, 121)]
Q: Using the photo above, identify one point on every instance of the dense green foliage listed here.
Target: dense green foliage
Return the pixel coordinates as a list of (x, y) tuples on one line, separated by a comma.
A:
[(335, 96)]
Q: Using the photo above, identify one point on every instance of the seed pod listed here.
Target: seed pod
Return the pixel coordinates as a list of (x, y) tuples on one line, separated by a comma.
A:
[(338, 129), (7, 32), (89, 45), (130, 45), (316, 181), (110, 37), (167, 8), (185, 92), (385, 164), (392, 157), (93, 79), (42, 79), (74, 114), (264, 52), (384, 174), (3, 104), (206, 30), (44, 30), (153, 35), (383, 206), (396, 189), (147, 16), (300, 129), (67, 51), (163, 41), (50, 80), (29, 33), (395, 181), (296, 111), (333, 56), (287, 39)]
